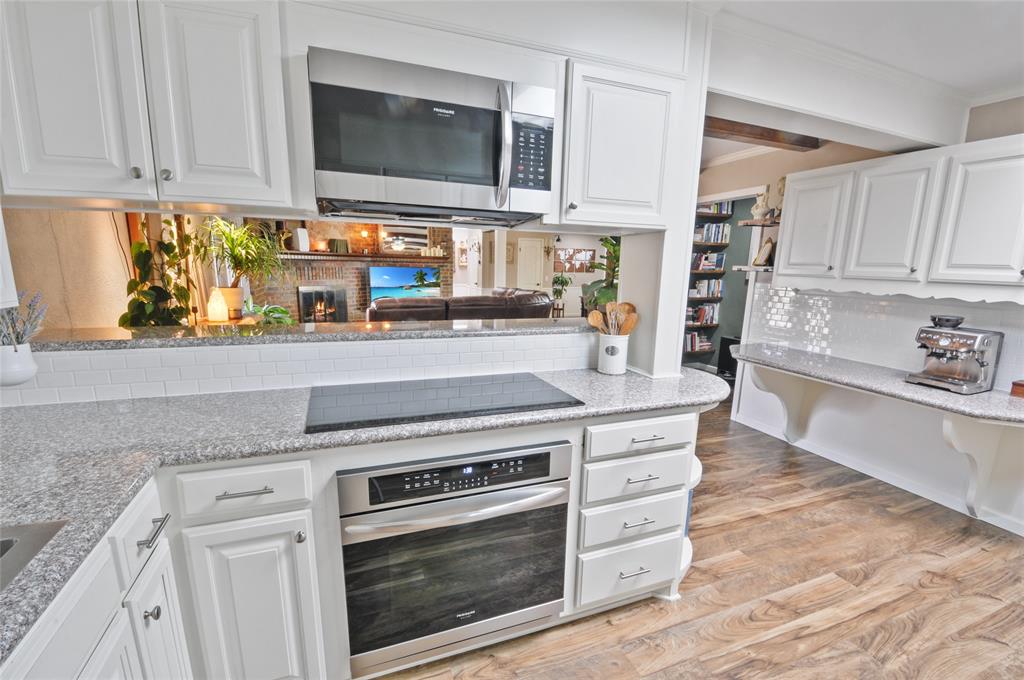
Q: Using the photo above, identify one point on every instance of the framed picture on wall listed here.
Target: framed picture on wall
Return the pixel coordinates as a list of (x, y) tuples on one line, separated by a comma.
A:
[(765, 254), (575, 260)]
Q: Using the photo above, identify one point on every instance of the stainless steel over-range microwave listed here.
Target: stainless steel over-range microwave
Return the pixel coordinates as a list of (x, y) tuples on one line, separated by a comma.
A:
[(402, 139)]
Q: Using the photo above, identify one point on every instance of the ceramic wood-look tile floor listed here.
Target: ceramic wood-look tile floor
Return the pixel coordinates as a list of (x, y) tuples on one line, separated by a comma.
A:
[(803, 569)]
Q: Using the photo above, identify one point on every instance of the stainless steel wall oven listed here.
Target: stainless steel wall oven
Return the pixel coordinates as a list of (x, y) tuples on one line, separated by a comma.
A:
[(446, 553)]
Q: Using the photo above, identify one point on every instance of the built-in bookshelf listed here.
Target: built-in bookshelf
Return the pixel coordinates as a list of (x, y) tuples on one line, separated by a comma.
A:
[(711, 235)]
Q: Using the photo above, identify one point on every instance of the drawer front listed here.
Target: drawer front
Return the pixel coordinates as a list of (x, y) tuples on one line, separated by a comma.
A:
[(628, 569), (250, 490), (135, 534), (640, 474), (632, 519), (641, 435)]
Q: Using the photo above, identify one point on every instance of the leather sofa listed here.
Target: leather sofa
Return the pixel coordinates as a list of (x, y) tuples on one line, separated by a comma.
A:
[(502, 303)]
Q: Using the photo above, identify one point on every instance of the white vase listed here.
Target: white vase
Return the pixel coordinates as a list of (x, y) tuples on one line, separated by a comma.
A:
[(611, 354), (16, 364)]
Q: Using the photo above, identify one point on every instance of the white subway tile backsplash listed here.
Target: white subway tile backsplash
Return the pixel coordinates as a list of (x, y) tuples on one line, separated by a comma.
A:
[(120, 374)]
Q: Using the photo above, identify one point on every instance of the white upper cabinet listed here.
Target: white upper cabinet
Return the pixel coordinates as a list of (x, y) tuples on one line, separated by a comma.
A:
[(256, 597), (214, 78), (895, 208), (814, 218), (73, 108), (981, 235), (8, 291), (621, 126)]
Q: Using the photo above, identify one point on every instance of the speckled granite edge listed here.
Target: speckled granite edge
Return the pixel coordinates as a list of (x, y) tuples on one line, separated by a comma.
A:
[(994, 405), (72, 340), (76, 474)]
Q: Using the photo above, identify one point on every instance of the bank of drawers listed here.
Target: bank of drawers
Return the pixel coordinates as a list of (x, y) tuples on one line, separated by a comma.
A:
[(633, 506), (243, 491)]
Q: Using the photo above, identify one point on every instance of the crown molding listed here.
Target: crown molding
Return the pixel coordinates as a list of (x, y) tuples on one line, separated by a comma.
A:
[(998, 96), (740, 155)]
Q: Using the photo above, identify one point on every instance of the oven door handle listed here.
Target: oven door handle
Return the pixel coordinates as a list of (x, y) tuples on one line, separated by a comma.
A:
[(485, 509), (505, 160)]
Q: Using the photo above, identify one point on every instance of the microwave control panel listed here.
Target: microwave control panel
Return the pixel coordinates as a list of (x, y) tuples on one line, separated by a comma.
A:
[(453, 478), (532, 140)]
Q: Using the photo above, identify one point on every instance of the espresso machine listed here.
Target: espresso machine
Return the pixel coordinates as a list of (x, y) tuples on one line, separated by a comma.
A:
[(961, 360)]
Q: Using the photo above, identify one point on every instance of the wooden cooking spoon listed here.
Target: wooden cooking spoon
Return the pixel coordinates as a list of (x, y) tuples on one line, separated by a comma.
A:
[(596, 319), (627, 307), (629, 324)]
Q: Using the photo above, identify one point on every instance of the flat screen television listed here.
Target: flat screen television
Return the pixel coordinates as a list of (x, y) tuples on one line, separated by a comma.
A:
[(404, 281)]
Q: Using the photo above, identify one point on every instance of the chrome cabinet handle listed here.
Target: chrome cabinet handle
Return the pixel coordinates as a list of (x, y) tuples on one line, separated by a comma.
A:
[(648, 478), (153, 613), (135, 172), (639, 572), (158, 526), (166, 175), (300, 536), (627, 525), (652, 438), (505, 168), (572, 205), (244, 494)]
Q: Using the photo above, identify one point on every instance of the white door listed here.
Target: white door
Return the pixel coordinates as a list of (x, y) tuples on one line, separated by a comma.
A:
[(116, 657), (981, 233), (814, 217), (256, 597), (73, 112), (155, 615), (622, 126), (213, 76), (895, 210), (530, 264)]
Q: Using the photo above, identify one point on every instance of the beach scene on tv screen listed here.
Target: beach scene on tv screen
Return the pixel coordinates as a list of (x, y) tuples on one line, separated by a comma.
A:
[(401, 282)]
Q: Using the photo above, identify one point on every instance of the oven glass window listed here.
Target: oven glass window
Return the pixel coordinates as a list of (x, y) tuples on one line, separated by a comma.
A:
[(405, 587), (373, 133)]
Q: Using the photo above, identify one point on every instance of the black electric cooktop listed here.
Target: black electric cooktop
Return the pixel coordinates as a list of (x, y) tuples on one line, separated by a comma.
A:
[(347, 407)]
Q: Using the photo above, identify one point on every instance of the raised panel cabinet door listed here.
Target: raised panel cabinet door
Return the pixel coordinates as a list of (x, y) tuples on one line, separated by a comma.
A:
[(152, 605), (8, 291), (73, 116), (814, 217), (622, 126), (256, 597), (895, 210), (981, 233), (213, 75), (116, 657)]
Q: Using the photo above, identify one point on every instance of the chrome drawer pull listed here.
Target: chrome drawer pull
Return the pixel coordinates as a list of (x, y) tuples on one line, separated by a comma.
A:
[(244, 494), (639, 572), (652, 438), (627, 525), (648, 478), (158, 526)]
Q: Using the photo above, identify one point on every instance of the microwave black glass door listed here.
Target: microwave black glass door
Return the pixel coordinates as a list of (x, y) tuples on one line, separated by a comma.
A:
[(373, 133), (400, 588)]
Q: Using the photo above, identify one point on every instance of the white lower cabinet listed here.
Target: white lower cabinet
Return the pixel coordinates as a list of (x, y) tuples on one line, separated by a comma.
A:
[(116, 657), (256, 597), (152, 606), (628, 569)]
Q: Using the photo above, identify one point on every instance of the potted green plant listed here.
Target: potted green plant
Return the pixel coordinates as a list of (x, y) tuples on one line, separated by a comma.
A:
[(161, 292), (246, 250), (559, 282), (17, 327), (601, 292)]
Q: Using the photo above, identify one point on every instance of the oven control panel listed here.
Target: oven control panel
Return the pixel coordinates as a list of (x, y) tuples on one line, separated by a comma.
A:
[(438, 481), (532, 138)]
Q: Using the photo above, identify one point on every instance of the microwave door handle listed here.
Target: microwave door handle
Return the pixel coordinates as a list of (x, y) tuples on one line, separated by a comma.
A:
[(484, 510), (505, 168)]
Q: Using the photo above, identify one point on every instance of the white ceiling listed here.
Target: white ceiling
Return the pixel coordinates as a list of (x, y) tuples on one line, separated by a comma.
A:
[(974, 47)]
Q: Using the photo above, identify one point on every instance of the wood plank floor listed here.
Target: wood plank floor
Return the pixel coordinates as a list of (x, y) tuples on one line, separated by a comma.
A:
[(803, 569)]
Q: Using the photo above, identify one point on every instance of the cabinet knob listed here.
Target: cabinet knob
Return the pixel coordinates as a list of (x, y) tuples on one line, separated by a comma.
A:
[(300, 536), (829, 268), (572, 205), (166, 175), (135, 172), (1022, 272), (153, 613), (913, 270)]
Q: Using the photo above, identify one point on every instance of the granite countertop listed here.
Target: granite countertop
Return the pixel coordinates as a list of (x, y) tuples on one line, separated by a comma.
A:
[(78, 339), (84, 462), (993, 405)]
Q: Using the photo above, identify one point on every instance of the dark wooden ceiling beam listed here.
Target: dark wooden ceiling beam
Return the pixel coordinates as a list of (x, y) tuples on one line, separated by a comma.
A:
[(721, 128)]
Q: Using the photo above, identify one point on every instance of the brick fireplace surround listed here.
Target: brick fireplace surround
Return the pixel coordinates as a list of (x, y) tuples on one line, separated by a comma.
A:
[(348, 272)]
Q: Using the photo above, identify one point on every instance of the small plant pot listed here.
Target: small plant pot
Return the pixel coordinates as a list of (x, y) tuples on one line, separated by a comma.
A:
[(233, 300), (16, 364), (611, 354)]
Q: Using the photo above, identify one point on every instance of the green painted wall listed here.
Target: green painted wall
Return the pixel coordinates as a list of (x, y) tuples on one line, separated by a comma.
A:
[(731, 309)]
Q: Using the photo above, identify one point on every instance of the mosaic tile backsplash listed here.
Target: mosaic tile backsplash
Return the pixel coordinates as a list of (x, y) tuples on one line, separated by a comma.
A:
[(877, 329)]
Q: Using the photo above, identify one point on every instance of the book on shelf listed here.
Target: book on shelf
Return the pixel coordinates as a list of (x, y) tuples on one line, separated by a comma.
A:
[(712, 233), (703, 314), (707, 261), (697, 342), (707, 288), (716, 208)]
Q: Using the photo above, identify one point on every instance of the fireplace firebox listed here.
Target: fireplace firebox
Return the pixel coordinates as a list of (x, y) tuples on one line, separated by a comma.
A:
[(322, 304)]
